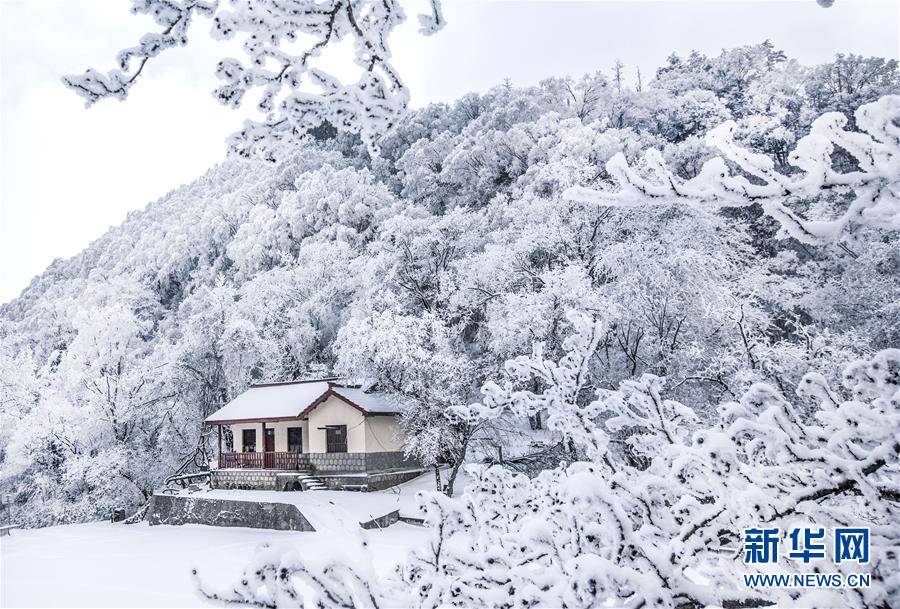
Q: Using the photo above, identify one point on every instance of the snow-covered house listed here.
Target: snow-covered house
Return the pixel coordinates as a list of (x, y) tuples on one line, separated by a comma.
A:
[(336, 432)]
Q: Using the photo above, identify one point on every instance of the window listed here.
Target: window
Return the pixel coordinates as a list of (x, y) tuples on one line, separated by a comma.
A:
[(295, 440), (248, 440), (336, 438)]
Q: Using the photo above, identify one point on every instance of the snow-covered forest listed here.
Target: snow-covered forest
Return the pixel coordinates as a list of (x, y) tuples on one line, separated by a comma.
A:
[(663, 308)]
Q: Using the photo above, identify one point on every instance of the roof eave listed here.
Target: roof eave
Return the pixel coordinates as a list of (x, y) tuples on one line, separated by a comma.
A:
[(259, 420), (303, 414)]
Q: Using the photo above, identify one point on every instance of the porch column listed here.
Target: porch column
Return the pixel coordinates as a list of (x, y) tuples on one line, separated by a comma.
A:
[(219, 428), (262, 448)]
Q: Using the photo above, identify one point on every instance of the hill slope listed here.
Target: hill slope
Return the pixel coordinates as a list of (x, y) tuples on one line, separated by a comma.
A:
[(424, 270)]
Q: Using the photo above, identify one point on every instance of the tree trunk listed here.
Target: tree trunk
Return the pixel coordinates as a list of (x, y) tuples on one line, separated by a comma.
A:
[(448, 490), (458, 460), (437, 478), (573, 452)]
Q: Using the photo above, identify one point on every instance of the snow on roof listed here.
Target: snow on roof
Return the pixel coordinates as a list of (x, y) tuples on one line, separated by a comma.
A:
[(290, 400), (370, 402), (281, 400)]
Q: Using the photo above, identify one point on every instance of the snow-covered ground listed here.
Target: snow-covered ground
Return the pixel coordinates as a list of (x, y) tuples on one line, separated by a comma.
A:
[(114, 565)]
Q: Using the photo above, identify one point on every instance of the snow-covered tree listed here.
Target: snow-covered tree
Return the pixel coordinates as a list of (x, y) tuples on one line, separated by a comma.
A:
[(667, 533), (282, 576), (282, 41), (457, 245), (415, 360), (867, 196)]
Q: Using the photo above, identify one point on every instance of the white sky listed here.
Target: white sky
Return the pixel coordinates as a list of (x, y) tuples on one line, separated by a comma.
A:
[(68, 173)]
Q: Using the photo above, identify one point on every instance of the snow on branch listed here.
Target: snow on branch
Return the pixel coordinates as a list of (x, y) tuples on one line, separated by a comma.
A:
[(874, 186), (175, 18), (605, 531), (295, 97), (279, 577)]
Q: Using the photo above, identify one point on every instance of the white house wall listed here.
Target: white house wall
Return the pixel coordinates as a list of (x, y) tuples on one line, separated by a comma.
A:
[(374, 434), (383, 434), (335, 411)]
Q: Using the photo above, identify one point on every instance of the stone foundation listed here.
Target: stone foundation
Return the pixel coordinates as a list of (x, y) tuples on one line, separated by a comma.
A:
[(245, 479), (358, 462), (337, 462), (375, 471), (273, 480)]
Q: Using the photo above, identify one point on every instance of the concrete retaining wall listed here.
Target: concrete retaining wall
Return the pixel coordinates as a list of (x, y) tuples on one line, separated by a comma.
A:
[(372, 481), (379, 462), (382, 521), (165, 509)]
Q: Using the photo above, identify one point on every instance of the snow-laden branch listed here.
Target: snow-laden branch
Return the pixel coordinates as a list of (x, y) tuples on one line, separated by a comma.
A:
[(278, 576), (874, 186), (281, 40), (665, 533), (174, 16)]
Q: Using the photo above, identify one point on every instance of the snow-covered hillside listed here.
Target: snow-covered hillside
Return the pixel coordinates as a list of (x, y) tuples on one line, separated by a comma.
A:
[(561, 280), (423, 270)]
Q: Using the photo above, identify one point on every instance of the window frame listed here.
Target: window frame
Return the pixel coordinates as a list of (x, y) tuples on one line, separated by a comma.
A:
[(330, 444), (299, 436)]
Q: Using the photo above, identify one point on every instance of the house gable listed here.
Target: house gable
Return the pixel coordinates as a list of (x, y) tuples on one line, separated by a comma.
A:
[(334, 411), (342, 394)]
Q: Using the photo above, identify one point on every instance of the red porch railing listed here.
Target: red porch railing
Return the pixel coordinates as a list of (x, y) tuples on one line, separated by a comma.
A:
[(266, 460)]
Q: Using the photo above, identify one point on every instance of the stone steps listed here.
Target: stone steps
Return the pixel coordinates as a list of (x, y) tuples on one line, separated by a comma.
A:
[(310, 482)]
